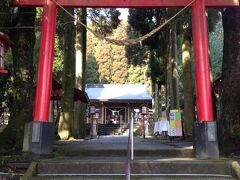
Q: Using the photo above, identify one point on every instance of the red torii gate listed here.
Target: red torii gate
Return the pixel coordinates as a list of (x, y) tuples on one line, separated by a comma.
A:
[(127, 3), (205, 128)]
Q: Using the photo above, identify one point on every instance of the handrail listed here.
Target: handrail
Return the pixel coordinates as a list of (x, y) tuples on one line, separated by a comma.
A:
[(129, 151)]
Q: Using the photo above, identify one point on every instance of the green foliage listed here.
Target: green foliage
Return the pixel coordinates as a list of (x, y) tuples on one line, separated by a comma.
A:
[(157, 67), (136, 74), (104, 60), (92, 70), (216, 50), (112, 64), (58, 59), (92, 43), (142, 21), (137, 54), (119, 64), (114, 61), (105, 20)]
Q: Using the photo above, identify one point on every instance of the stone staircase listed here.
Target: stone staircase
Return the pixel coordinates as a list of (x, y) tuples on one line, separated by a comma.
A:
[(141, 168), (112, 129), (105, 158)]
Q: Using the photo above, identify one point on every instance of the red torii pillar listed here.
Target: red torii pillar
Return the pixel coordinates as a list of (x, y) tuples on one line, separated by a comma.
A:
[(46, 54), (205, 129), (42, 130)]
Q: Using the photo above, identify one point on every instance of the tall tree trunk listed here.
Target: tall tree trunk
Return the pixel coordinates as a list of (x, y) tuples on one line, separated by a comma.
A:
[(81, 44), (172, 73), (22, 89), (231, 76), (169, 89), (175, 74), (187, 84), (155, 102), (66, 124)]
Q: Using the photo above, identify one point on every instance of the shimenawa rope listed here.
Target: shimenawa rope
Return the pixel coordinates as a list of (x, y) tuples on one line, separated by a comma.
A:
[(126, 42)]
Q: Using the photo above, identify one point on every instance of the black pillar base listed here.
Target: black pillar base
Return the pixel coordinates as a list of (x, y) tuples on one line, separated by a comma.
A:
[(41, 138), (205, 140)]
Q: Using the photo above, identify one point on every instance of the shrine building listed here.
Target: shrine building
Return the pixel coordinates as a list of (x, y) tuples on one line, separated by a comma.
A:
[(115, 102)]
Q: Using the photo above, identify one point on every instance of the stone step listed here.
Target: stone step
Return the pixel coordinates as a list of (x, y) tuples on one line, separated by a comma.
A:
[(133, 177), (123, 152), (111, 129), (144, 167)]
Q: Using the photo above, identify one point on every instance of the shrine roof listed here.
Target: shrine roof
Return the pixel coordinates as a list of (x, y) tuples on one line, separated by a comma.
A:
[(57, 93), (107, 92)]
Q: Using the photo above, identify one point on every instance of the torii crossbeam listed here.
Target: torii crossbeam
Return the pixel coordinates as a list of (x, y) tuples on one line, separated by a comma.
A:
[(127, 3), (206, 143)]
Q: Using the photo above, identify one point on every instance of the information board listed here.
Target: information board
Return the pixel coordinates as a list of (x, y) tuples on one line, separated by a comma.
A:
[(175, 124)]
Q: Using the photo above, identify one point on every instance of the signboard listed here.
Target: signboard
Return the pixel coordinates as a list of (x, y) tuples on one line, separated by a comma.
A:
[(175, 124)]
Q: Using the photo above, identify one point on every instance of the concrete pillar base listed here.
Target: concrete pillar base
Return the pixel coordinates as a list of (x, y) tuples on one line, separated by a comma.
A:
[(205, 140), (41, 138)]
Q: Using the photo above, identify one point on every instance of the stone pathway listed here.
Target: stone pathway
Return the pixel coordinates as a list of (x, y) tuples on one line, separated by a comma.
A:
[(120, 142)]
